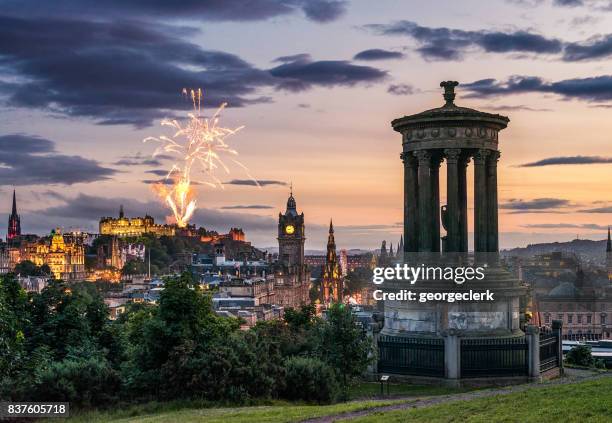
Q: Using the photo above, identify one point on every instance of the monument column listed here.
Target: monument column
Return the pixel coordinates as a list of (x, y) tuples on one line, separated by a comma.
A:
[(434, 175), (492, 223), (463, 214), (411, 192), (480, 200), (424, 224), (453, 199)]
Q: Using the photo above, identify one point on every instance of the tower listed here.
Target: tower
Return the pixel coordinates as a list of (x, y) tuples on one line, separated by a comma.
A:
[(609, 256), (121, 213), (14, 223), (333, 289), (291, 236)]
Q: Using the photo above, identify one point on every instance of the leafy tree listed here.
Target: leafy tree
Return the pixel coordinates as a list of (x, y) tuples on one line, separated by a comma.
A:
[(310, 379), (358, 279), (28, 268), (14, 316), (343, 345)]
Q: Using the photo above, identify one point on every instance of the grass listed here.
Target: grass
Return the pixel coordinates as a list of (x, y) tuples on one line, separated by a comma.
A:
[(581, 402), (372, 389), (278, 412)]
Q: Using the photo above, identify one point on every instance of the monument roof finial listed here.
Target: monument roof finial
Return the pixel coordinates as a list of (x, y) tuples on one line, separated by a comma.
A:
[(449, 92)]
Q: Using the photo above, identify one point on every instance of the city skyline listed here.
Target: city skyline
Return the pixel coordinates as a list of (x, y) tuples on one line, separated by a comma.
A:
[(317, 100)]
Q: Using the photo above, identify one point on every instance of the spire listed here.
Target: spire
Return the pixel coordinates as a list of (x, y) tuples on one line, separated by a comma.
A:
[(121, 214), (291, 206), (609, 244), (14, 212), (391, 250), (331, 226), (401, 243)]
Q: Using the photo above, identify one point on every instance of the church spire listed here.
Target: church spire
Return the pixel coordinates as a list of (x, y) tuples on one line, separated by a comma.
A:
[(121, 214), (609, 244), (14, 223), (14, 212)]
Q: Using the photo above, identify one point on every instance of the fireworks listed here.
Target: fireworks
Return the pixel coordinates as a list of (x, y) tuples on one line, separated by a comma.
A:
[(200, 143)]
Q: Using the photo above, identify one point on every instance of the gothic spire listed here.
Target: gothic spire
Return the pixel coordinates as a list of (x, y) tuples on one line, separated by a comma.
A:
[(609, 244), (121, 214), (14, 212)]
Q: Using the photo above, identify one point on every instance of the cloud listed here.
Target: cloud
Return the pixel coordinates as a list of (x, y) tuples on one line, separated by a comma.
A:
[(607, 209), (300, 73), (597, 88), (519, 107), (139, 70), (30, 160), (568, 3), (158, 172), (401, 89), (190, 10), (250, 182), (565, 226), (538, 204), (568, 160), (378, 54), (599, 47), (143, 162), (247, 207), (444, 43)]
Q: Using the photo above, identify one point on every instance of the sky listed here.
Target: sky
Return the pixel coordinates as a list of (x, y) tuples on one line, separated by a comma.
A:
[(316, 84)]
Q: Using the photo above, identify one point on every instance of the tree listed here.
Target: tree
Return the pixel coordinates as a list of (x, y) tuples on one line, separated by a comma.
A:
[(28, 268), (343, 345), (358, 279)]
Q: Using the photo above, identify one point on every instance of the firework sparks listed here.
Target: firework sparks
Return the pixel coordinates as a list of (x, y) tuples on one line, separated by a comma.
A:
[(200, 143)]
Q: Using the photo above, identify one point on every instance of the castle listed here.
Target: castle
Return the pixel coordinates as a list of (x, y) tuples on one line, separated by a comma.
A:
[(135, 226)]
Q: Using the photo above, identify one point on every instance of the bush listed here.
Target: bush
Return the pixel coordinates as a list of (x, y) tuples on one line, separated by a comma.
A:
[(310, 379), (83, 382), (580, 355)]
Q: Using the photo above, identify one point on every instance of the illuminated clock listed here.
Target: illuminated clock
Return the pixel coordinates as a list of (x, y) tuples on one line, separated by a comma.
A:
[(289, 229)]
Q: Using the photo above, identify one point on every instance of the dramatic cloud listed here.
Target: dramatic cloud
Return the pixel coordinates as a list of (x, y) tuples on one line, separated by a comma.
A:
[(125, 72), (299, 73), (537, 204), (247, 207), (596, 48), (450, 44), (191, 10), (158, 172), (251, 183), (519, 107), (607, 209), (598, 88), (401, 89), (28, 160), (565, 226), (378, 54), (568, 3), (569, 160)]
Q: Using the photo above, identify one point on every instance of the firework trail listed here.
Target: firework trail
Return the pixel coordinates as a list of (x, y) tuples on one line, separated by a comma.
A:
[(200, 143)]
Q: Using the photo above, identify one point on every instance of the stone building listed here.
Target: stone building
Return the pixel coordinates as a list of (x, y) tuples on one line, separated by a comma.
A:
[(291, 274), (126, 227)]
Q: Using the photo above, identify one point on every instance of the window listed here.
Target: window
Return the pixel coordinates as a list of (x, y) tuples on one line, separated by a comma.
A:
[(588, 319), (579, 319), (603, 319), (570, 318), (547, 318), (560, 317)]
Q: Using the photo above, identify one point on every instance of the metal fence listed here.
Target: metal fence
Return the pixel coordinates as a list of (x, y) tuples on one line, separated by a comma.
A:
[(411, 356), (487, 357), (549, 349)]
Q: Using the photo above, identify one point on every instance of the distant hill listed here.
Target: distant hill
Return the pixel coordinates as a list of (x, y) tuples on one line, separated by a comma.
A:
[(585, 248)]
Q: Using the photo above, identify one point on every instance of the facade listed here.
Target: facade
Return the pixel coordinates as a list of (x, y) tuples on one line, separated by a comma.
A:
[(65, 257), (332, 281), (292, 276), (14, 222), (126, 227)]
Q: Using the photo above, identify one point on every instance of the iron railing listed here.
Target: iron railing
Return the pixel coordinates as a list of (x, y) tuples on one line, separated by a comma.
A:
[(549, 349), (411, 356), (487, 357)]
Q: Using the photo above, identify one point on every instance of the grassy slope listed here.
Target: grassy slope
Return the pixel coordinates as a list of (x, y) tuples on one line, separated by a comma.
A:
[(582, 402)]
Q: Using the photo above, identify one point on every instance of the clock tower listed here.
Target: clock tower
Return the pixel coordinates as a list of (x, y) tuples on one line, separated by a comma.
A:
[(291, 236)]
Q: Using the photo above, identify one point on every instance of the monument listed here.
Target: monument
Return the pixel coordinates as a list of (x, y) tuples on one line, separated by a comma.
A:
[(454, 135)]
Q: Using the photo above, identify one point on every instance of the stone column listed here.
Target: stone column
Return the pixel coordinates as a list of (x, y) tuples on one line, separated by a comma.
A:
[(434, 175), (452, 356), (533, 341), (480, 200), (411, 192), (463, 213), (424, 158), (453, 240), (492, 223)]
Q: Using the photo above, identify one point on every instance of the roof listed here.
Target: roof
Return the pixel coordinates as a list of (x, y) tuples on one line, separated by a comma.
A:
[(565, 289)]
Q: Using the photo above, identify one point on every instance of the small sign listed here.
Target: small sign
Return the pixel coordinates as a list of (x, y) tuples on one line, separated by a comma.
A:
[(384, 378)]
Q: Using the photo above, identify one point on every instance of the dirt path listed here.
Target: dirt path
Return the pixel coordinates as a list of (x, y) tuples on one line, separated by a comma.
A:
[(572, 376)]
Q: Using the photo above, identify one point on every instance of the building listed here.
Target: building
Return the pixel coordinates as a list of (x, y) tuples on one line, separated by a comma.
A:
[(65, 257), (14, 222), (332, 283), (136, 226), (291, 274)]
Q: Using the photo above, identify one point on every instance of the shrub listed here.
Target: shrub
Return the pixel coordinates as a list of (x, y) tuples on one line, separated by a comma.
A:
[(580, 355), (310, 379)]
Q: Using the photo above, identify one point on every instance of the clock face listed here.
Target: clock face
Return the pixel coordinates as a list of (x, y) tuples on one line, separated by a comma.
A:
[(289, 229)]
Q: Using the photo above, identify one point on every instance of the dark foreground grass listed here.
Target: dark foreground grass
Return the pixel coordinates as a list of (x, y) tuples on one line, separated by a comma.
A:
[(580, 402)]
